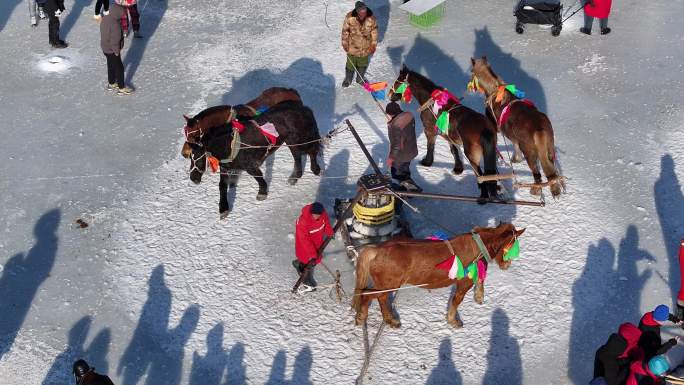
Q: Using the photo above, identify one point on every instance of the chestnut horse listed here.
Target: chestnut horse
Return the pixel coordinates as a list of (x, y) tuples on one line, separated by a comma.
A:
[(528, 128), (296, 127), (403, 261), (198, 125), (467, 127)]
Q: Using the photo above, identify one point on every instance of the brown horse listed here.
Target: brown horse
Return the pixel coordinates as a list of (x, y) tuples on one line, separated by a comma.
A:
[(198, 125), (467, 127), (529, 129), (398, 262)]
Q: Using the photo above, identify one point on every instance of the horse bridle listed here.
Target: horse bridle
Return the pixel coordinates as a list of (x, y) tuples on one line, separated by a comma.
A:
[(405, 81), (195, 160)]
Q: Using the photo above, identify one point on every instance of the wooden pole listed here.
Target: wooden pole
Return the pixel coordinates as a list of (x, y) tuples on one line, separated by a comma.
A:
[(467, 198), (489, 178)]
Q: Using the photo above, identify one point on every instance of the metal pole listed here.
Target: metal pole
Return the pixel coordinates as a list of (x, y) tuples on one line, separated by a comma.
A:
[(466, 198), (363, 147), (340, 222)]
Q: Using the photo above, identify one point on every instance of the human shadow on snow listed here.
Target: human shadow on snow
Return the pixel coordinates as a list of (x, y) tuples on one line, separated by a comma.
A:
[(22, 275), (504, 363), (445, 373), (606, 294), (156, 349), (151, 15), (6, 10), (218, 366), (300, 372), (669, 204), (73, 14), (95, 354)]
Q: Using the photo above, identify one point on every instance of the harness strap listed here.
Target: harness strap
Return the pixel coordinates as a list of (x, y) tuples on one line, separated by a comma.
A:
[(451, 249), (480, 245), (234, 147)]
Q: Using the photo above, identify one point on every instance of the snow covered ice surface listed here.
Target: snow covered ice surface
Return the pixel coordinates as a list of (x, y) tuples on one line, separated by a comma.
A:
[(157, 290)]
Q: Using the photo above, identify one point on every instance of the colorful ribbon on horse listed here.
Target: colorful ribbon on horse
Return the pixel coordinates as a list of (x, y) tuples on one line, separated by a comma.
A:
[(213, 163), (441, 98), (270, 132), (405, 92), (506, 112), (442, 123), (510, 88)]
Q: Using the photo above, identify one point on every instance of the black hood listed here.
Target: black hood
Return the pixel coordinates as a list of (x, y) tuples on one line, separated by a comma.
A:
[(615, 346), (355, 14)]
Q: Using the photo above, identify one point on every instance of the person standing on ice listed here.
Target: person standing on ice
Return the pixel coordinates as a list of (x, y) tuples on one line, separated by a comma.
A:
[(312, 229), (401, 130), (599, 9), (359, 41), (85, 375), (112, 42), (650, 324), (131, 9), (54, 9), (35, 11)]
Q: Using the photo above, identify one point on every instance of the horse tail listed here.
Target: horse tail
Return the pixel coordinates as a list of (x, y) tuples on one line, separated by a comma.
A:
[(362, 273), (543, 141)]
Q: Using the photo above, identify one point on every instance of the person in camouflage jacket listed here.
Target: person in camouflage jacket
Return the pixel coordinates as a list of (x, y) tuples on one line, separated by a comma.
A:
[(359, 41)]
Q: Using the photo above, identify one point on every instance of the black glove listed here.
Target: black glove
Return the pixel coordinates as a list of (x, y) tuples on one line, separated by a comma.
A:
[(673, 318), (589, 3)]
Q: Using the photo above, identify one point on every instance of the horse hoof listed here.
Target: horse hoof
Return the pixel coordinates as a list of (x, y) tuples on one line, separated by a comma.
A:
[(394, 324), (358, 321), (456, 324), (316, 170), (555, 190), (426, 162), (479, 298), (536, 191), (457, 170), (516, 159), (261, 197)]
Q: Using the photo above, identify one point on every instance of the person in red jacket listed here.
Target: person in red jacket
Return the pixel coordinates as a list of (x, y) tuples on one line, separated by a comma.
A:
[(596, 9), (312, 229), (650, 325), (642, 372)]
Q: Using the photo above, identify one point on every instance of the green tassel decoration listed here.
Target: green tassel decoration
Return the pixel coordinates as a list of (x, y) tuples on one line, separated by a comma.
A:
[(514, 252), (443, 123), (401, 88)]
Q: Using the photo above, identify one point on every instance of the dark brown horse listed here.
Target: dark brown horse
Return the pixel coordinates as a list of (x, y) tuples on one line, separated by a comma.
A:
[(296, 127), (467, 127), (198, 125), (529, 129), (401, 261)]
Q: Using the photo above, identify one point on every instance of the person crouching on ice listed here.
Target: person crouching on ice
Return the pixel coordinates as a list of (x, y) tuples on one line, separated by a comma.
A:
[(312, 229)]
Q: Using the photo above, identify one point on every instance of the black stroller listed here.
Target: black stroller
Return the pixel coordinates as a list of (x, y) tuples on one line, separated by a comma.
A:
[(539, 12)]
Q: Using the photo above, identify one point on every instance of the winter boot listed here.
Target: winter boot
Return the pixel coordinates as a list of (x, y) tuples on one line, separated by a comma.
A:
[(361, 75), (348, 77), (585, 31), (605, 31), (124, 91), (113, 87), (137, 35), (59, 44)]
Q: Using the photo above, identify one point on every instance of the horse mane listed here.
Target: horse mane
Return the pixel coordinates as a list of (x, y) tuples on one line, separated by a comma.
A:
[(429, 83), (210, 111)]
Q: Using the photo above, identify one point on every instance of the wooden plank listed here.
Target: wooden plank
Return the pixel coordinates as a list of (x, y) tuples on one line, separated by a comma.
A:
[(497, 177)]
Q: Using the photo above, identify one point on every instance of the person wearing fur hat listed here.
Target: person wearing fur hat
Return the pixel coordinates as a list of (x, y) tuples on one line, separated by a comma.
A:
[(401, 130), (651, 372), (359, 41), (312, 229), (85, 375), (650, 325)]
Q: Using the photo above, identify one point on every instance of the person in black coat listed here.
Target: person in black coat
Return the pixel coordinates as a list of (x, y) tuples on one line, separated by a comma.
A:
[(85, 375), (54, 9), (650, 324), (401, 130), (607, 363)]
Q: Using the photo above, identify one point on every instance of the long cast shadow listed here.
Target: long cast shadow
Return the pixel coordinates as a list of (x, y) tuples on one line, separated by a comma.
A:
[(95, 354), (381, 11), (509, 68), (155, 349), (609, 289), (218, 364), (151, 15), (669, 203), (445, 373), (23, 274), (300, 373), (6, 10), (73, 15), (504, 364)]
